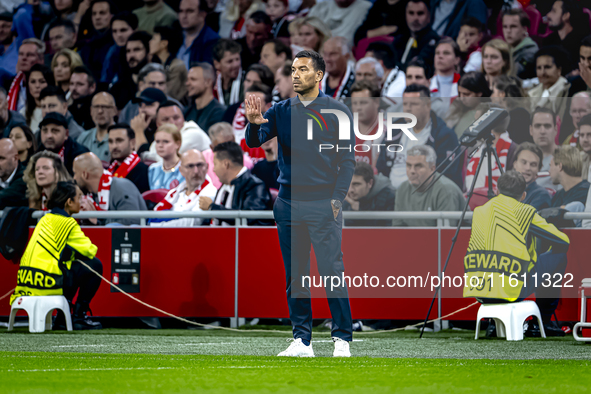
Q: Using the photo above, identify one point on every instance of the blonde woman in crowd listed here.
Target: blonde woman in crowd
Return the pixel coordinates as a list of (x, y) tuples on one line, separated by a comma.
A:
[(44, 171), (166, 174)]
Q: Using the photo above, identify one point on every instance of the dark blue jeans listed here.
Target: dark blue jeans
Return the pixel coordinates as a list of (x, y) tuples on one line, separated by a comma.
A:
[(300, 225)]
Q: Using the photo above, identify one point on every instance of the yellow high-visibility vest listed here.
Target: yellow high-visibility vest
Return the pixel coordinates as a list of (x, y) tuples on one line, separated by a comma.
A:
[(54, 244), (502, 248)]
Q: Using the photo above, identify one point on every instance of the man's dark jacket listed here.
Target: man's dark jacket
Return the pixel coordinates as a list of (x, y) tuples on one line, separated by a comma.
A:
[(442, 139), (380, 198), (426, 43), (80, 110), (202, 46), (14, 119), (250, 194), (15, 195), (14, 232), (71, 151)]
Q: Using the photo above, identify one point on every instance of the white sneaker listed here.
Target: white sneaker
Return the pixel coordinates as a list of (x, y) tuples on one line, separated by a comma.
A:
[(297, 349), (341, 348)]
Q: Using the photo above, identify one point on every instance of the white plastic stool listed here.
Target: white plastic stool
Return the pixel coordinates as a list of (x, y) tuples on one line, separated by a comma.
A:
[(509, 318), (39, 309), (585, 284)]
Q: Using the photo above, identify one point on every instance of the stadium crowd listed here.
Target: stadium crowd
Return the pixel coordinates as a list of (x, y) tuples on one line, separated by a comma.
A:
[(142, 102)]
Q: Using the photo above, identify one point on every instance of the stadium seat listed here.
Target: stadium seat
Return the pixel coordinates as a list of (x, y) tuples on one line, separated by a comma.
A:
[(39, 309), (363, 44), (509, 318), (155, 195)]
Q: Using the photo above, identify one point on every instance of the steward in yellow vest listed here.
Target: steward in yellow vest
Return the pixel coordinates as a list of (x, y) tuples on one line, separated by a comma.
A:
[(49, 265), (501, 263)]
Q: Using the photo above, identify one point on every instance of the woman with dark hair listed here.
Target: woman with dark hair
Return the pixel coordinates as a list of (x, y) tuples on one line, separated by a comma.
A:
[(39, 78), (24, 141), (472, 90), (509, 94), (58, 260), (164, 46), (68, 9)]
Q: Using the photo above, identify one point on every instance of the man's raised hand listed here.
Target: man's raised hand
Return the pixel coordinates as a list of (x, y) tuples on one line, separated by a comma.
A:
[(253, 107)]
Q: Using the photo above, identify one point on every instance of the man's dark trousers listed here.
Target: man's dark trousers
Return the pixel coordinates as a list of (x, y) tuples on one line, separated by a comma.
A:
[(300, 225)]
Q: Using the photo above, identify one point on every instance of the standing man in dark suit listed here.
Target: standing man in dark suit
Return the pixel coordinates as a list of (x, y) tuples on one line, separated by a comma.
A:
[(313, 184)]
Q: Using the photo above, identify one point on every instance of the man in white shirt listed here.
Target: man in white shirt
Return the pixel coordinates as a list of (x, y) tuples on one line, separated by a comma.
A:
[(186, 196)]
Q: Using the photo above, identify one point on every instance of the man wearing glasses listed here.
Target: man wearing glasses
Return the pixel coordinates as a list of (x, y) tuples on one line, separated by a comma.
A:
[(103, 112)]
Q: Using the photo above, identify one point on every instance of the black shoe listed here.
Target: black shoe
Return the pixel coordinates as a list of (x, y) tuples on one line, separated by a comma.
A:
[(552, 330), (81, 321), (533, 330), (491, 331), (59, 322)]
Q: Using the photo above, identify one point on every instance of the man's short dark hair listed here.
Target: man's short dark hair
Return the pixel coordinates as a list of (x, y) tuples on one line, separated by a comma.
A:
[(225, 45), (364, 170), (317, 60), (586, 42), (128, 17), (420, 63), (51, 91), (543, 110), (142, 36), (171, 103), (124, 126), (85, 70), (524, 20), (260, 17), (415, 87), (231, 151), (280, 47), (426, 2), (112, 7), (531, 147), (585, 121), (361, 85), (560, 57), (258, 87), (475, 23), (66, 23), (264, 73), (63, 192), (173, 36), (385, 53), (512, 184)]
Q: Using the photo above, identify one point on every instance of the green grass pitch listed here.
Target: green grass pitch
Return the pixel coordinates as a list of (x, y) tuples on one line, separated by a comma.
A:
[(134, 361)]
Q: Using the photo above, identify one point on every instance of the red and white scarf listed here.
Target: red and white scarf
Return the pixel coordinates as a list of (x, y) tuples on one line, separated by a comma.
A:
[(370, 156), (15, 90), (238, 29), (454, 87), (502, 147), (104, 192), (172, 197), (344, 88), (218, 90), (122, 169), (574, 139)]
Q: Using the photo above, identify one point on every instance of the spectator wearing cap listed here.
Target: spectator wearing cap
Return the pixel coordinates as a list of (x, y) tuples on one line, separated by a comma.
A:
[(394, 80), (53, 99), (383, 18), (125, 162), (8, 44), (55, 138), (343, 16), (137, 52), (82, 88), (240, 189), (29, 53), (151, 76), (104, 191), (199, 39), (369, 192), (99, 40), (144, 123), (226, 60), (155, 13), (449, 15), (123, 25), (164, 46), (204, 110), (552, 92), (103, 111), (274, 54), (258, 31), (193, 136)]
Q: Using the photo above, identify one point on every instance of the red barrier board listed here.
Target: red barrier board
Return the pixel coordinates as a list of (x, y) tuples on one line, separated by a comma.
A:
[(191, 272)]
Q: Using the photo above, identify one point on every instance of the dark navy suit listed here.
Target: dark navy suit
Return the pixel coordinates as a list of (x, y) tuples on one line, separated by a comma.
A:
[(309, 180)]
